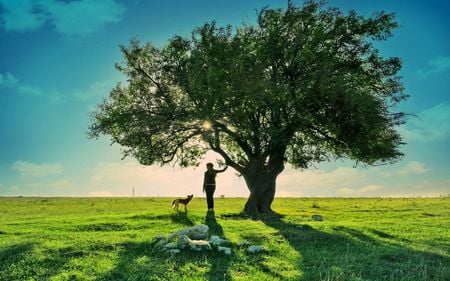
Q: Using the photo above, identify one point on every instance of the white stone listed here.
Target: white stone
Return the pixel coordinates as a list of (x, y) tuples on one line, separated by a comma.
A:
[(256, 249), (317, 218), (183, 241), (225, 250), (161, 242), (197, 232), (217, 241), (199, 245), (173, 251), (159, 237), (171, 245), (243, 243)]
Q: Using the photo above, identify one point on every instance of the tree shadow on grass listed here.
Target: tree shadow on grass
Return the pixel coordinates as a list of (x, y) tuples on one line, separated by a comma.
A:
[(178, 217), (350, 254), (181, 218), (22, 261), (13, 254)]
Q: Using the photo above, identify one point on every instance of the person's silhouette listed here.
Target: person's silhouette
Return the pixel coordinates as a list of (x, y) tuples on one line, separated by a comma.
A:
[(209, 184)]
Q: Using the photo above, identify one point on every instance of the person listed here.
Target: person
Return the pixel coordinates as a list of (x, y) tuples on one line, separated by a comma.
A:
[(209, 184)]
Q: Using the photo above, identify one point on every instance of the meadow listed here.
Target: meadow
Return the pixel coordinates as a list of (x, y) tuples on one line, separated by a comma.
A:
[(111, 239)]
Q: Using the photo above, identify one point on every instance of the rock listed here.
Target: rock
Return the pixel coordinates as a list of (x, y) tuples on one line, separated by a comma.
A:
[(197, 232), (183, 241), (256, 249), (159, 237), (317, 218), (171, 245), (243, 243), (199, 245), (217, 241), (161, 242), (173, 251), (225, 250)]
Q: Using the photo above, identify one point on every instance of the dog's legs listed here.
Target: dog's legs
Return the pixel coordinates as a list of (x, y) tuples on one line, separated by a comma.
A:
[(173, 204)]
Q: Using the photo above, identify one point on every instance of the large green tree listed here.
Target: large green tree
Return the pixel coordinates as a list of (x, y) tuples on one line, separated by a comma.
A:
[(303, 85)]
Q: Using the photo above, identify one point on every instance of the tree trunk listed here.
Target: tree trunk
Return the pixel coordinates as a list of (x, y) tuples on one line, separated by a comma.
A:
[(262, 193)]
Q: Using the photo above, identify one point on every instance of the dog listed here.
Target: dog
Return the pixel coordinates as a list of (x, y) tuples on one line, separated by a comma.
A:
[(184, 201)]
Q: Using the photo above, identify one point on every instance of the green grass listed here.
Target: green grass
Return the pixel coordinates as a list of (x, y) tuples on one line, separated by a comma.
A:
[(110, 239)]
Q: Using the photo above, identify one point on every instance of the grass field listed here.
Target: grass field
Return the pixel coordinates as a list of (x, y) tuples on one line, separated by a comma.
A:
[(110, 239)]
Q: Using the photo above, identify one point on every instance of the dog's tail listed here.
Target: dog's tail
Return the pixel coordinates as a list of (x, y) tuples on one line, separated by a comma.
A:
[(173, 203)]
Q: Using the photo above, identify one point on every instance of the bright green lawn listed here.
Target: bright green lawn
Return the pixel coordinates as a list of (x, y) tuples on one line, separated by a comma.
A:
[(110, 239)]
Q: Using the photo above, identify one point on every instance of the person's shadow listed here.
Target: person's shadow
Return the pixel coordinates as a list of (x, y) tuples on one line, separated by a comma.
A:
[(211, 222), (220, 263)]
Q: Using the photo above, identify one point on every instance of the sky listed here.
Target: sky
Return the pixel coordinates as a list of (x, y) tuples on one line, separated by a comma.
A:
[(57, 63)]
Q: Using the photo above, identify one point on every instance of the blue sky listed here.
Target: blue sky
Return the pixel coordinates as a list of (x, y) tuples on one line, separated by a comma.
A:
[(57, 62)]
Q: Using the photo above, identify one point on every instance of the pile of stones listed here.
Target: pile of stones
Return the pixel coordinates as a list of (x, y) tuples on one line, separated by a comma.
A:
[(197, 238)]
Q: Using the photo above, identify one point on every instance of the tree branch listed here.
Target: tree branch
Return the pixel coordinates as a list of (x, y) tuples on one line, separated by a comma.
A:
[(243, 144), (179, 145), (142, 71), (216, 148)]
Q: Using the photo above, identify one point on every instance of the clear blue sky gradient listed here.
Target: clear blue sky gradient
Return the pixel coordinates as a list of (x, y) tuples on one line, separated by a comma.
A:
[(57, 62)]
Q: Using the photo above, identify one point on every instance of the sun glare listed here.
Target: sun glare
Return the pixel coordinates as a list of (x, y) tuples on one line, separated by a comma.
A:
[(207, 125)]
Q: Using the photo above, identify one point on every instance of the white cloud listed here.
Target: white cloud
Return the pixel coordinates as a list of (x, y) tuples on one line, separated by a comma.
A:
[(128, 171), (284, 193), (64, 183), (345, 191), (66, 17), (60, 184), (340, 181), (365, 191), (29, 90), (19, 15), (435, 65), (432, 185), (425, 188), (102, 193), (121, 177), (369, 189), (36, 170), (84, 17), (432, 124), (96, 89), (317, 179), (8, 80), (14, 188), (413, 168)]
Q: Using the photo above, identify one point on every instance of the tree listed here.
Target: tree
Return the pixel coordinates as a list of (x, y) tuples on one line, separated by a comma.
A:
[(303, 85)]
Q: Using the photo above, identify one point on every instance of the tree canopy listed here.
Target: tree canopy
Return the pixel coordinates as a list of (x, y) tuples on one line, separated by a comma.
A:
[(302, 85)]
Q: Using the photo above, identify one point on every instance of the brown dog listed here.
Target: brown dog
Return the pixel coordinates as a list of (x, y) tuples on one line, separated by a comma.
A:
[(184, 201)]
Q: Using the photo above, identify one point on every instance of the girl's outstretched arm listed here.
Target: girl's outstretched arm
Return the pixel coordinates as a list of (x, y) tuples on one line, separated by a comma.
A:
[(221, 171)]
